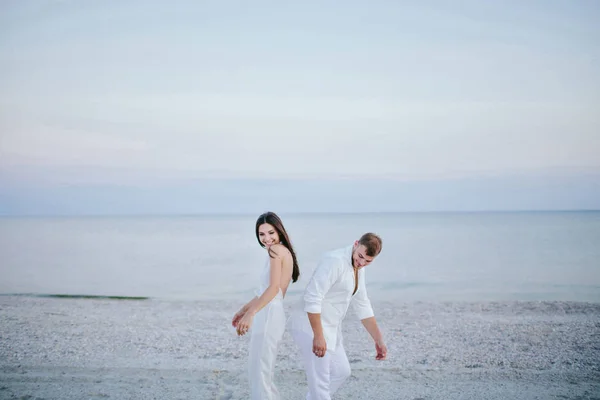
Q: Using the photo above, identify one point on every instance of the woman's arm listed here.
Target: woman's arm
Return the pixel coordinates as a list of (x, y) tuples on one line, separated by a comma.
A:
[(248, 305), (276, 264), (242, 311), (269, 294)]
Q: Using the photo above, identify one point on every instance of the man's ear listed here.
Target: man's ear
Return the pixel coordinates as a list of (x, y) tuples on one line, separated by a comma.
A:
[(355, 244)]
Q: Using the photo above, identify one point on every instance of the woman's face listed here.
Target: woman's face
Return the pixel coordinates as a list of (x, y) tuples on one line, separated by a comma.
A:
[(268, 235)]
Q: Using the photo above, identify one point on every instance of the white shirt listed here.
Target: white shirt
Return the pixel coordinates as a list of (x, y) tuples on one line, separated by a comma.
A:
[(329, 293)]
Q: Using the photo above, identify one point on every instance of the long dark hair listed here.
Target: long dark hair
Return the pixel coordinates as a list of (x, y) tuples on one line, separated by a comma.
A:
[(272, 219)]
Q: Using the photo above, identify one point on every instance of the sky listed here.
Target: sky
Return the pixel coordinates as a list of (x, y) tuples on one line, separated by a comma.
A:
[(183, 107)]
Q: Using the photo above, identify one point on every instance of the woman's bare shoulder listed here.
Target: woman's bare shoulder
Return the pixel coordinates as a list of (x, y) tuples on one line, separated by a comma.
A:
[(281, 251)]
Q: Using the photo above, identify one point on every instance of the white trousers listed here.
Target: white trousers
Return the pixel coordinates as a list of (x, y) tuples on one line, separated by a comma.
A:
[(325, 375), (266, 333)]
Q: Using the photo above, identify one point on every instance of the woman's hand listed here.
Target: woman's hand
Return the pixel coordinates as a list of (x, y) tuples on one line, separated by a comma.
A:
[(236, 318), (244, 324)]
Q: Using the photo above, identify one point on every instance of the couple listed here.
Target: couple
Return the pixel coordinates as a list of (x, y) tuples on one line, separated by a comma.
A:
[(337, 282)]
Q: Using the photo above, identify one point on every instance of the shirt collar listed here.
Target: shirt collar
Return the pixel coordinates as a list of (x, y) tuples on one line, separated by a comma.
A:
[(348, 255)]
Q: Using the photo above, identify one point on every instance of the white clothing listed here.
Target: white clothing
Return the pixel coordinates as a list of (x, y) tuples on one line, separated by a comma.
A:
[(324, 375), (330, 293), (265, 334)]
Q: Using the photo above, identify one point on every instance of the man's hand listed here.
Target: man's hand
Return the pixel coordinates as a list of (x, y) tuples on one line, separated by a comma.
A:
[(319, 346), (381, 349)]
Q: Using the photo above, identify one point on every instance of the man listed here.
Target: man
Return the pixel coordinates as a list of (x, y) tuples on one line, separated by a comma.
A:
[(337, 282)]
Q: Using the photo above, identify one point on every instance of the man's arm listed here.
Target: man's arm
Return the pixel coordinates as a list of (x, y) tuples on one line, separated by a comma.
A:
[(319, 343), (371, 326), (325, 275), (364, 311)]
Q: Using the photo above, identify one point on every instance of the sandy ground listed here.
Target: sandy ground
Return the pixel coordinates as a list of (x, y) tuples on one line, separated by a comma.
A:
[(150, 349)]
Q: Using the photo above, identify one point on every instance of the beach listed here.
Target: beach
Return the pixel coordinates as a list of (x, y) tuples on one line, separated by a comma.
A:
[(78, 348)]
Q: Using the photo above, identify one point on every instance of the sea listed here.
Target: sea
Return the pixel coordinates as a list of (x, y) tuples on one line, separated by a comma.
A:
[(430, 257)]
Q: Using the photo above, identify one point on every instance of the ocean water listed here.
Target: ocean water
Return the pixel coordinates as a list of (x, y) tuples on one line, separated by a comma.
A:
[(426, 256)]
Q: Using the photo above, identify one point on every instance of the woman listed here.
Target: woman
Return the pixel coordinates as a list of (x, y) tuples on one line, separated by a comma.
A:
[(266, 309)]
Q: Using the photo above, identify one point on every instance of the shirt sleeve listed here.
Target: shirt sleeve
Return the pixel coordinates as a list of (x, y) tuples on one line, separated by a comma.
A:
[(327, 272), (360, 301)]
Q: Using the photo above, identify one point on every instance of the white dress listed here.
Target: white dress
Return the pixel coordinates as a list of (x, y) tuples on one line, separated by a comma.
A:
[(266, 333)]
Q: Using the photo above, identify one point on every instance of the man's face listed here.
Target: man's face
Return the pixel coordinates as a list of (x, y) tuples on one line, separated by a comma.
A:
[(360, 257)]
